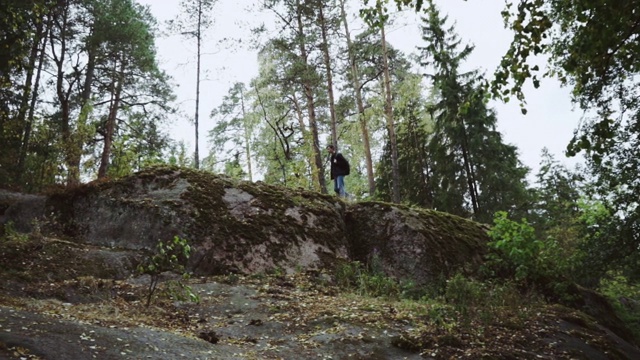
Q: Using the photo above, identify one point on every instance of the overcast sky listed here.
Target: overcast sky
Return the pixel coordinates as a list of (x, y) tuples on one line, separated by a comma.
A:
[(550, 121)]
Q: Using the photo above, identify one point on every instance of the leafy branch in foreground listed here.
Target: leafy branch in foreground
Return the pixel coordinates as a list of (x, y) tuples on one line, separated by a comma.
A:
[(171, 255)]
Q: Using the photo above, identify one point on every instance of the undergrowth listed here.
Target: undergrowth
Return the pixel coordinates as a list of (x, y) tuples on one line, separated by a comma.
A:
[(456, 304)]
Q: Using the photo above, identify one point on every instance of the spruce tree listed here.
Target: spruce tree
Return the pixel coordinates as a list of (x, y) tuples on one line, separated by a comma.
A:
[(474, 173)]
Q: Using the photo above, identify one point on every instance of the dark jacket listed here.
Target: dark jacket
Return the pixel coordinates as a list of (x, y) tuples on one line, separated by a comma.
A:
[(339, 165)]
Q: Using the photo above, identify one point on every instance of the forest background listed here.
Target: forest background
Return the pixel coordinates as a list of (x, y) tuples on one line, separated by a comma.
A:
[(85, 95)]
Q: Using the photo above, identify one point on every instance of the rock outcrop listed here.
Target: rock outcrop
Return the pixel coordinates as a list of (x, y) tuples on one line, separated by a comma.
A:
[(242, 227), (418, 245)]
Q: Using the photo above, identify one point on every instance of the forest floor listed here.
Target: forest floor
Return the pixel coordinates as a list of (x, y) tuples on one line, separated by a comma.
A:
[(50, 311)]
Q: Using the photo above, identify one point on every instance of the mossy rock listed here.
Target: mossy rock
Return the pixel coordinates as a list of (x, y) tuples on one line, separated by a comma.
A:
[(233, 226), (414, 244), (241, 227)]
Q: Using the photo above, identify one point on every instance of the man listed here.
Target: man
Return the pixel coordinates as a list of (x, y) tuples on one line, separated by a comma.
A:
[(339, 169)]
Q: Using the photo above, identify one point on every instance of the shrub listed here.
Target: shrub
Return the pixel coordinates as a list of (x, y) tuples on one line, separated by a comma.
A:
[(171, 255), (465, 294), (516, 251), (11, 235), (625, 299)]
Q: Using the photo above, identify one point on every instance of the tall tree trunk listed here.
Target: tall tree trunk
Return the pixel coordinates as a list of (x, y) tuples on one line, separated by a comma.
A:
[(28, 82), (72, 154), (327, 64), (305, 134), (91, 66), (364, 127), (247, 136), (27, 119), (111, 121), (308, 91), (196, 117), (423, 165), (468, 168), (388, 110)]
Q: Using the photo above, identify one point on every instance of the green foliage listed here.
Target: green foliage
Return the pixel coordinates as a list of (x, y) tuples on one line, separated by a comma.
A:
[(625, 298), (471, 171), (599, 248), (96, 62), (10, 234), (555, 210), (413, 132), (366, 280), (375, 15), (234, 131), (21, 24), (590, 46), (179, 291), (611, 238), (171, 256), (517, 253), (465, 295), (485, 302)]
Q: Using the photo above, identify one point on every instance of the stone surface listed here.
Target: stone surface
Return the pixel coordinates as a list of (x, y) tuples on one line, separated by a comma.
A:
[(243, 227), (423, 246)]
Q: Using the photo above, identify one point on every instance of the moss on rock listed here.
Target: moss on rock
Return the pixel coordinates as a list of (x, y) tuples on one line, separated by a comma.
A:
[(413, 243), (233, 225)]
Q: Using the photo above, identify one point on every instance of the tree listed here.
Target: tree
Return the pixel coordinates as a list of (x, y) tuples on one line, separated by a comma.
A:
[(275, 143), (129, 53), (388, 111), (18, 43), (194, 19), (556, 198), (377, 17), (324, 22), (233, 132), (64, 35), (617, 188), (473, 170), (82, 91), (593, 48), (590, 46), (302, 82), (354, 76), (367, 53), (414, 131), (32, 86)]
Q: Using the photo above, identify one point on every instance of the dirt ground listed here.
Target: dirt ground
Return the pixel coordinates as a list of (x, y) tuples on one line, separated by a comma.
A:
[(62, 300)]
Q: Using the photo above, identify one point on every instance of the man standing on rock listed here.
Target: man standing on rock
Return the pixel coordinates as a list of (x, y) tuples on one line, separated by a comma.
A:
[(339, 169)]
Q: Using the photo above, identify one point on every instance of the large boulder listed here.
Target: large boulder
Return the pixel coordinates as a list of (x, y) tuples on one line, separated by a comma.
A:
[(419, 245), (21, 210), (237, 226), (233, 226)]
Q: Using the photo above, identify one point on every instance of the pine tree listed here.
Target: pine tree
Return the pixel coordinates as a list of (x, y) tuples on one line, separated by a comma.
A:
[(194, 19)]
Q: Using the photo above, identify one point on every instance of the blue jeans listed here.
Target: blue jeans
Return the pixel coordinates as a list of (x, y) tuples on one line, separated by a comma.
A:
[(338, 186)]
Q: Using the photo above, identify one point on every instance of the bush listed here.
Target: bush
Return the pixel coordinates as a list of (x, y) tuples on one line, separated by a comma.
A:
[(11, 235), (465, 294), (516, 251), (486, 302), (171, 256), (625, 299)]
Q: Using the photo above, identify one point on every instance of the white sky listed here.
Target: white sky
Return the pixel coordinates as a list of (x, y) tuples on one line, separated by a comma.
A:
[(550, 121)]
